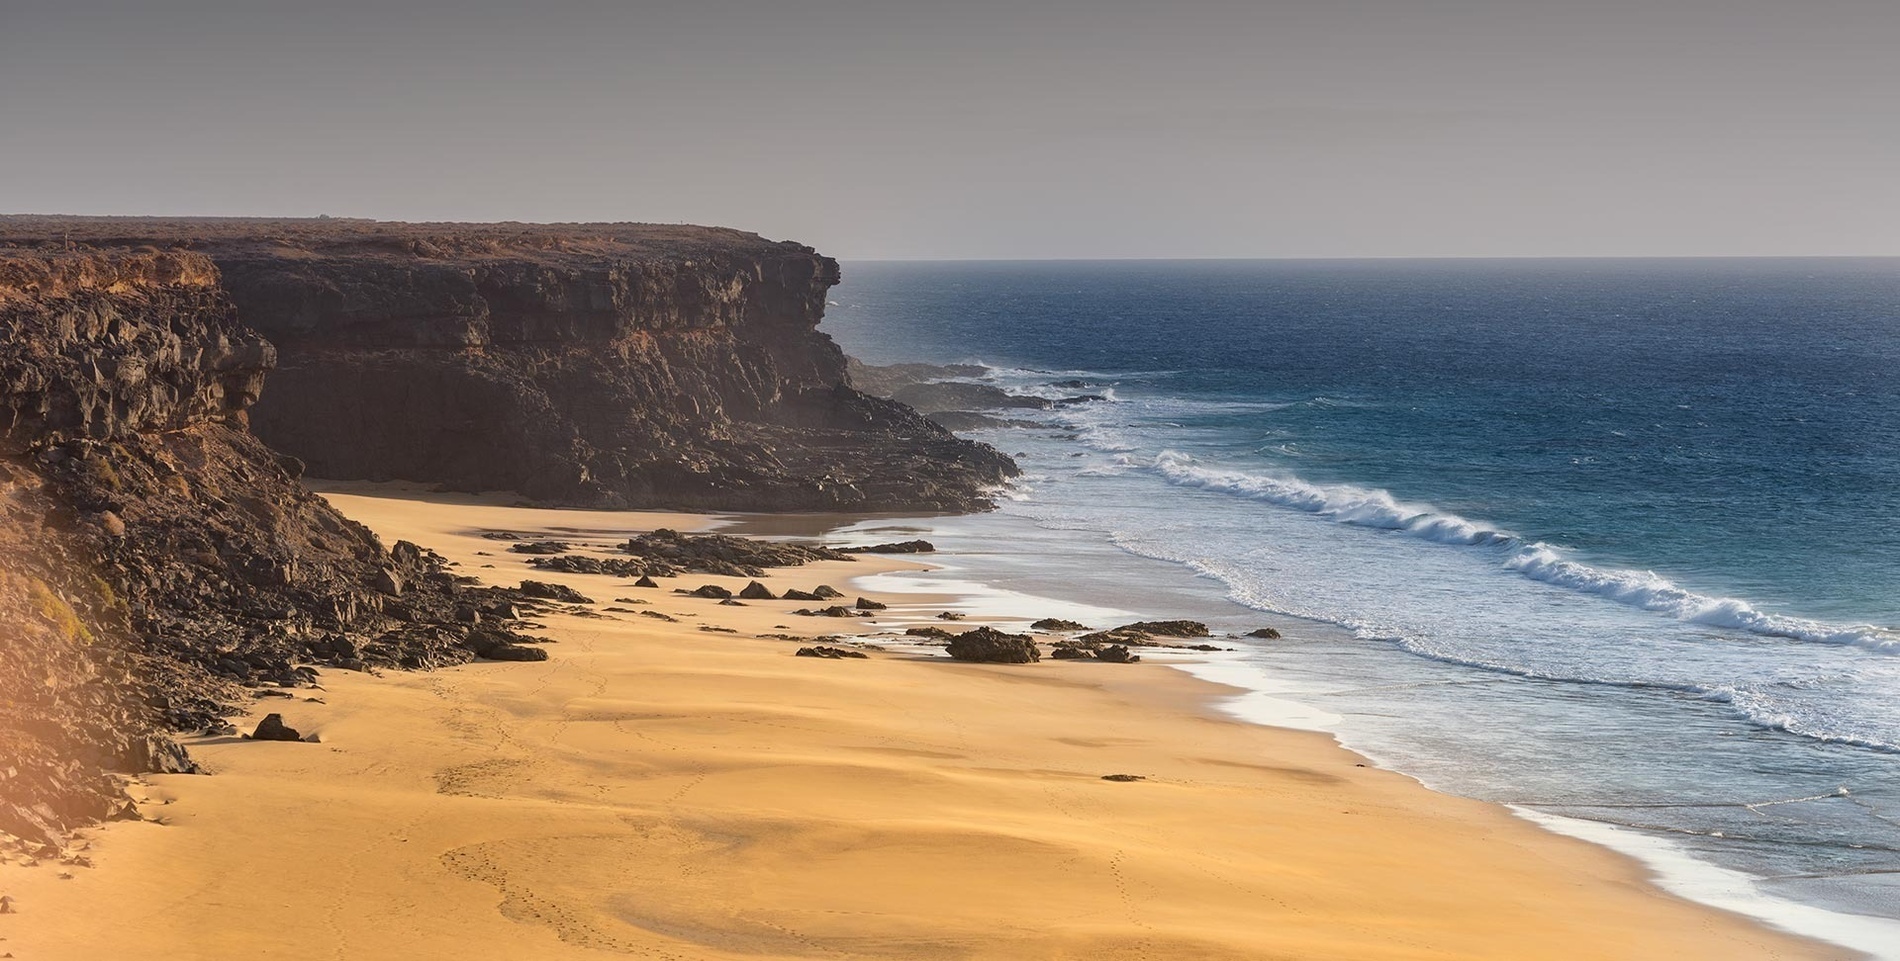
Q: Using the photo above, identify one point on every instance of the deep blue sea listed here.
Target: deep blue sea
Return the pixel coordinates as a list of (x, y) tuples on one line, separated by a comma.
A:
[(1612, 541)]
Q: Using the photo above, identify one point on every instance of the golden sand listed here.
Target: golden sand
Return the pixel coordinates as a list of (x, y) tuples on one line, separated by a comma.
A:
[(659, 791)]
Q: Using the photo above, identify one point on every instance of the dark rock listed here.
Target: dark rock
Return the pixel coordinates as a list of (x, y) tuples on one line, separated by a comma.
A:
[(756, 591), (580, 564), (1167, 628), (900, 547), (826, 592), (1116, 654), (797, 595), (515, 652), (866, 604), (272, 728), (1057, 624), (829, 652), (554, 592), (656, 615), (713, 591), (645, 581), (989, 645), (836, 610), (1265, 632), (389, 582), (1123, 778), (1070, 652), (539, 547), (932, 632), (950, 616)]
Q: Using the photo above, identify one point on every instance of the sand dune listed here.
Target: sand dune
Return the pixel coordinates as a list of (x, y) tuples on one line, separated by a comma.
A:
[(658, 791)]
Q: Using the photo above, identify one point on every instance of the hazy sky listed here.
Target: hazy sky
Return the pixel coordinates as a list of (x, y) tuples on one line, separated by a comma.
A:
[(970, 128)]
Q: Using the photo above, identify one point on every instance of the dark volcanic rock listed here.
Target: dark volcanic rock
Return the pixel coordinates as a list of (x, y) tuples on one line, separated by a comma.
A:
[(602, 365), (756, 591), (554, 592), (539, 547), (1057, 624), (900, 547), (795, 594), (826, 592), (273, 728), (866, 604), (1116, 654), (124, 383), (990, 645), (829, 652), (667, 552), (712, 591), (1167, 628), (1265, 632), (581, 564), (1070, 652), (645, 581)]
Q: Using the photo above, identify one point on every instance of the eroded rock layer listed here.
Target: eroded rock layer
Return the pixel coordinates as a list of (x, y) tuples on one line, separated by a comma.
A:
[(154, 555), (607, 365)]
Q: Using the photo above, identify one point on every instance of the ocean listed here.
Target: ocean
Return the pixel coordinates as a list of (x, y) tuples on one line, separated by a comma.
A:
[(1616, 543)]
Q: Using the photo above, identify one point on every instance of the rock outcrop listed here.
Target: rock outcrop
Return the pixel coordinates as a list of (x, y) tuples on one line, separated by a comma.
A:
[(602, 365), (154, 556)]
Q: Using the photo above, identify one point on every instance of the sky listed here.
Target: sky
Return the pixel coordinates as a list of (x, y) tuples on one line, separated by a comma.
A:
[(981, 129)]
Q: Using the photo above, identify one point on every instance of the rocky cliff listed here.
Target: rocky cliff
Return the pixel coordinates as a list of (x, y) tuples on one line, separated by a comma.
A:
[(609, 365), (153, 554)]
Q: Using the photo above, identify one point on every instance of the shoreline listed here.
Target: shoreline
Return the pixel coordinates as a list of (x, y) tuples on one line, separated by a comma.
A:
[(1304, 770)]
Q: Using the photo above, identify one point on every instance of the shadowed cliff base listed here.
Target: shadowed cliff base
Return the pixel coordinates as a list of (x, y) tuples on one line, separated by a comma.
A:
[(603, 365)]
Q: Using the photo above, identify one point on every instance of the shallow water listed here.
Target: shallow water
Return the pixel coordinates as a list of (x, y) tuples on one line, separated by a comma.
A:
[(1612, 541)]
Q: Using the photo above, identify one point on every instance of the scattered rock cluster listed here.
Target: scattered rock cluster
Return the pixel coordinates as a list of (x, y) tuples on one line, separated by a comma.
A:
[(989, 645)]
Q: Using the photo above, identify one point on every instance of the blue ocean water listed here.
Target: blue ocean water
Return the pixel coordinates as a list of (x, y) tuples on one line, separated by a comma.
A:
[(1611, 540)]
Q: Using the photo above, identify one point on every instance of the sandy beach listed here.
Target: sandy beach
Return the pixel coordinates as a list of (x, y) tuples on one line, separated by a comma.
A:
[(687, 789)]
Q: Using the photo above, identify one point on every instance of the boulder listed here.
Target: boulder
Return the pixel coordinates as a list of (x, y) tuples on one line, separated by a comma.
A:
[(900, 547), (991, 646), (645, 581), (829, 652), (866, 604), (756, 591), (1167, 628), (1057, 624), (1116, 654), (388, 581), (554, 592), (1265, 632), (932, 632), (1070, 652), (950, 616), (711, 591), (273, 728), (826, 592), (797, 595)]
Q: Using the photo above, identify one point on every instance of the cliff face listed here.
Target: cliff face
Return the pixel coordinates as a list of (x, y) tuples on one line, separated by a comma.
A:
[(610, 365), (152, 552)]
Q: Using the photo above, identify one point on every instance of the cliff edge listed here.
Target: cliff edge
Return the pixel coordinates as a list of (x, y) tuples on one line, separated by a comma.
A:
[(600, 365), (154, 555)]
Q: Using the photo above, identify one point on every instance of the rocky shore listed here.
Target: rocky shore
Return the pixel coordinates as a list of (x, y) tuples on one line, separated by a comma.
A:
[(597, 365), (161, 565)]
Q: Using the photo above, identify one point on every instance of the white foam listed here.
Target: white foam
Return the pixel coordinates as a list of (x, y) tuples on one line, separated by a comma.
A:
[(1358, 506), (1681, 873), (1653, 592)]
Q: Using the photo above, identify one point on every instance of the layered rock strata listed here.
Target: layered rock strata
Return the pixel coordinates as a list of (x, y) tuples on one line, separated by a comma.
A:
[(603, 365), (154, 555)]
